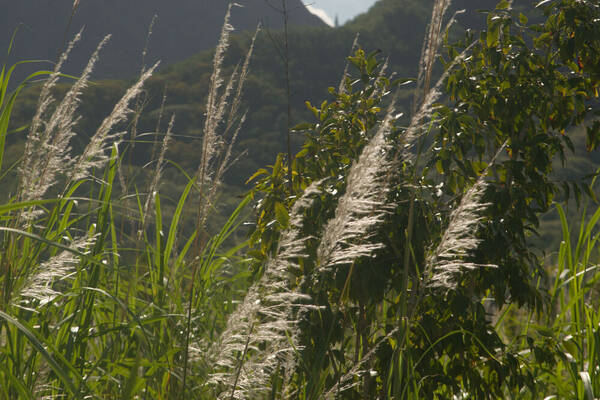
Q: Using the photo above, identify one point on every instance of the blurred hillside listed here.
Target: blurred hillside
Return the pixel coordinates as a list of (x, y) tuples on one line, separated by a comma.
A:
[(182, 29), (317, 54)]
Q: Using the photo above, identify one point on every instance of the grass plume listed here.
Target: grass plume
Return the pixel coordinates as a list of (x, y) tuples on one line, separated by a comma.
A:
[(221, 108), (40, 285), (94, 155), (262, 334)]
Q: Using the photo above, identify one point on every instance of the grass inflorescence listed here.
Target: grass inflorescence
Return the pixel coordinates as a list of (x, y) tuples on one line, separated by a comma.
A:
[(371, 270)]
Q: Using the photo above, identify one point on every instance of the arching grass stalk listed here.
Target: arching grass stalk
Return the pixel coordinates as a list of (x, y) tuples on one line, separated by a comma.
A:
[(140, 103), (153, 188), (216, 153), (264, 327)]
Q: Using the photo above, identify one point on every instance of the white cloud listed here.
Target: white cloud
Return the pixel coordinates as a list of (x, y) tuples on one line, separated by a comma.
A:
[(321, 14)]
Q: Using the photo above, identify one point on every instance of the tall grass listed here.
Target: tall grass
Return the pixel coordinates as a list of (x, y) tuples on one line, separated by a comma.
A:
[(100, 323), (89, 310), (571, 327), (575, 321), (83, 314)]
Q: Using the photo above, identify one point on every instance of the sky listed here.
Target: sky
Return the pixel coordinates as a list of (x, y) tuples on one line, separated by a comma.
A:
[(344, 9)]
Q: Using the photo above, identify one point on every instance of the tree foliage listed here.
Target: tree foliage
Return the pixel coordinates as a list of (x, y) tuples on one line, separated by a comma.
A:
[(511, 95)]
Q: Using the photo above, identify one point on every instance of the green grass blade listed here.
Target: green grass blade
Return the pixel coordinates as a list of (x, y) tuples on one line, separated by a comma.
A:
[(36, 342), (6, 208), (24, 393), (175, 221), (208, 265)]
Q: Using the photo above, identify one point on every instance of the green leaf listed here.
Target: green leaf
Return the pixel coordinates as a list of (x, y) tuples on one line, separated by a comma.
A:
[(545, 331), (258, 173), (493, 35), (132, 380), (503, 5), (36, 342), (282, 216), (523, 19), (175, 222), (303, 127), (439, 166), (312, 108)]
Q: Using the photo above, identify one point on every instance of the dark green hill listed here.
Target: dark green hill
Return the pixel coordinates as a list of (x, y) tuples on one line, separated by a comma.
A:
[(183, 28), (318, 55), (396, 27)]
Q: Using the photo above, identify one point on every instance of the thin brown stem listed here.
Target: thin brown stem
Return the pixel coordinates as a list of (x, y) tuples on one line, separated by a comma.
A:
[(68, 28), (241, 362), (188, 329), (286, 61)]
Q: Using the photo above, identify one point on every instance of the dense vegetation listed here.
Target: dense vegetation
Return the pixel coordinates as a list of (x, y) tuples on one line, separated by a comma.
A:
[(388, 259), (317, 57)]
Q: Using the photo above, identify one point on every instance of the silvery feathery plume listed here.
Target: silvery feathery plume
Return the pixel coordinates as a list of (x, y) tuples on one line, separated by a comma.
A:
[(225, 163), (40, 285), (237, 99), (139, 104), (430, 48), (148, 36), (209, 174), (361, 208), (210, 141), (447, 263), (425, 95), (415, 128), (94, 154), (157, 174), (262, 334), (342, 86), (48, 143), (46, 99), (161, 111), (217, 149), (459, 240)]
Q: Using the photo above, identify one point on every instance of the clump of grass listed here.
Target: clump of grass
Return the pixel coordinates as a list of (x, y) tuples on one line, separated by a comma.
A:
[(568, 334), (83, 314), (86, 316)]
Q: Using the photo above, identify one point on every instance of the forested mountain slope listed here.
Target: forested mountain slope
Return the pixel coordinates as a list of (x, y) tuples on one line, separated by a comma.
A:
[(317, 60), (182, 28)]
